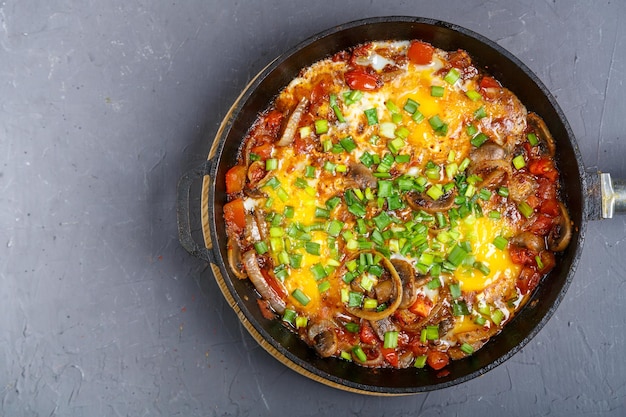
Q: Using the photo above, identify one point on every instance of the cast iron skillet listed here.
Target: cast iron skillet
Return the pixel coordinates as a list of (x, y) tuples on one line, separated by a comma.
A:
[(581, 193)]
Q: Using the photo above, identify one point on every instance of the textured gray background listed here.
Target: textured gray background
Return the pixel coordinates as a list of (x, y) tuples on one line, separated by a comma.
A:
[(104, 104)]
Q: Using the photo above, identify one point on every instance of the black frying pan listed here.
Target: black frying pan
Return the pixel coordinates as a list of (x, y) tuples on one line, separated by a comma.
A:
[(587, 196)]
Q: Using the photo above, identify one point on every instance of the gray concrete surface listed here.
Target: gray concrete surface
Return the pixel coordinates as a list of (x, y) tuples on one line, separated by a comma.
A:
[(104, 105)]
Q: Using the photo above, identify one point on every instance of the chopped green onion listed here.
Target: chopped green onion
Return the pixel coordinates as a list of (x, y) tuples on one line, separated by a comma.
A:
[(473, 95), (301, 297), (261, 247), (352, 327), (309, 171), (525, 209), (322, 213), (391, 106), (334, 227), (295, 260), (321, 126), (433, 283), (452, 76), (457, 255), (402, 132), (464, 164), (411, 106), (417, 117), (494, 214), (467, 348), (318, 271), (254, 157), (420, 361), (532, 139), (503, 191), (370, 304), (367, 159), (335, 106), (479, 139), (372, 116), (282, 194), (289, 316), (271, 164), (480, 113), (390, 340), (323, 286), (355, 299), (497, 316), (484, 194), (395, 145), (348, 144), (289, 212), (432, 332), (459, 308), (500, 242), (480, 320), (313, 248), (382, 220), (403, 159), (455, 290), (437, 91), (358, 352), (519, 162), (435, 192), (539, 262), (332, 202), (482, 268)]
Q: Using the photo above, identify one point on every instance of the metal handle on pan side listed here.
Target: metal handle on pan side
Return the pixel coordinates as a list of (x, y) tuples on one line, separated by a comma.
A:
[(613, 196), (183, 212)]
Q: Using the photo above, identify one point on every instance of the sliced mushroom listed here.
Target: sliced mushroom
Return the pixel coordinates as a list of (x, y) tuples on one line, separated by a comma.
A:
[(360, 176), (256, 277), (538, 126), (323, 338), (529, 241), (561, 234), (475, 338), (383, 326), (421, 201), (407, 276), (394, 300), (293, 122), (489, 151)]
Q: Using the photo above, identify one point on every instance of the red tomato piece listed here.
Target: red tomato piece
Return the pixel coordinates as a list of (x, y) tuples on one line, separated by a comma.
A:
[(236, 179), (437, 360), (391, 356), (527, 280), (543, 167), (521, 256), (550, 207), (264, 151), (358, 79), (367, 335), (420, 53), (421, 306), (417, 347), (235, 214), (489, 82), (542, 225), (273, 121)]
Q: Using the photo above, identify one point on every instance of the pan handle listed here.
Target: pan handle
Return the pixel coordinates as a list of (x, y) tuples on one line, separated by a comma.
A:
[(183, 212), (613, 195)]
